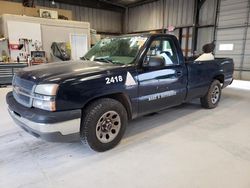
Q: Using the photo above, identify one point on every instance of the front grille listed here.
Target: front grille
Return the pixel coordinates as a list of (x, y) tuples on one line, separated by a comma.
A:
[(22, 91)]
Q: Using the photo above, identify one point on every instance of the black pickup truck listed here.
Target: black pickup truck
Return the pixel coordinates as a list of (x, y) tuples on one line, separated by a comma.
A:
[(119, 79)]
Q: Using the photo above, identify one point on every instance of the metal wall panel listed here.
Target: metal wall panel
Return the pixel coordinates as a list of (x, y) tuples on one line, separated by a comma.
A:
[(160, 14), (231, 36), (206, 17), (233, 13), (178, 13), (145, 17), (208, 12), (101, 20), (232, 29), (205, 36), (246, 63)]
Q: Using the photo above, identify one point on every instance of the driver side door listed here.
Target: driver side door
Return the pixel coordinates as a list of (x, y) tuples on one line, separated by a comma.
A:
[(161, 86)]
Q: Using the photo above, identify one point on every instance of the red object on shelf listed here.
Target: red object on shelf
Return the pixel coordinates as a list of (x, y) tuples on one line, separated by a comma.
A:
[(14, 46)]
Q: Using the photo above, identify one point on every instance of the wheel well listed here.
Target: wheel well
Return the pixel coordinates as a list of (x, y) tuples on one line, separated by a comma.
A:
[(220, 78), (122, 98)]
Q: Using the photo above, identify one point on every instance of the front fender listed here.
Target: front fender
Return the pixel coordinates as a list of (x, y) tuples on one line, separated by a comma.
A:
[(75, 94)]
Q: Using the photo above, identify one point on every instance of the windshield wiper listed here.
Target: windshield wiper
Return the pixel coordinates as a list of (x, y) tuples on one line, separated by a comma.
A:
[(107, 59), (117, 63), (103, 59)]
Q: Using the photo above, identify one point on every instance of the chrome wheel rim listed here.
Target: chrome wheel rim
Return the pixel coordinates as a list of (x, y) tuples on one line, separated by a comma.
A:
[(215, 95), (108, 127)]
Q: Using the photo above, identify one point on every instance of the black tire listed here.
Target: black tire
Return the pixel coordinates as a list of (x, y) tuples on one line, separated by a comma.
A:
[(94, 129), (212, 97)]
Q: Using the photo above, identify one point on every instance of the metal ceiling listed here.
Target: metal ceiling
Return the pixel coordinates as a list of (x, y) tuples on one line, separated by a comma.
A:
[(124, 2), (127, 3), (114, 5)]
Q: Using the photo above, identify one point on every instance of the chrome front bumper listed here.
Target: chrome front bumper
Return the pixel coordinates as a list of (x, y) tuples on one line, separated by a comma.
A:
[(56, 132), (62, 126)]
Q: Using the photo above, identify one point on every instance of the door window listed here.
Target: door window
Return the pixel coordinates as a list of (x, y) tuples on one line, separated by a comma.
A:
[(162, 48)]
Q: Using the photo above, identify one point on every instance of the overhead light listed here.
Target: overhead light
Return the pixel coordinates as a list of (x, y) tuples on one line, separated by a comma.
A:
[(53, 2)]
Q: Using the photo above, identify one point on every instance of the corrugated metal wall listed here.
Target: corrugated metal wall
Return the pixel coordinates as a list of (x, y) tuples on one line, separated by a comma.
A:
[(151, 16), (178, 13), (208, 12), (145, 17), (175, 12), (233, 29), (101, 20), (205, 36), (207, 17), (160, 14)]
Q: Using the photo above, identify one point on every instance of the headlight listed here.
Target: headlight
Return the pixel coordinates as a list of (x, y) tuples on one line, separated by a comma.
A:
[(46, 89), (44, 97)]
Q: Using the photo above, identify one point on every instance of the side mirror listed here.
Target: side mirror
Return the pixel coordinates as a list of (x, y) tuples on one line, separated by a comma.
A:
[(154, 62)]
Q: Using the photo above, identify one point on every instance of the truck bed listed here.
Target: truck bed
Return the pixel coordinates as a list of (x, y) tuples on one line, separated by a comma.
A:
[(200, 73)]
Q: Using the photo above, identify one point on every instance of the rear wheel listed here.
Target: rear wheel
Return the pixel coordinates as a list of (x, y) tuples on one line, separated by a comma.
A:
[(103, 124), (212, 98)]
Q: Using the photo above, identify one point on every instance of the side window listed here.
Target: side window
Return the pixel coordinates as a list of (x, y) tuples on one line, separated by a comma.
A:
[(164, 48)]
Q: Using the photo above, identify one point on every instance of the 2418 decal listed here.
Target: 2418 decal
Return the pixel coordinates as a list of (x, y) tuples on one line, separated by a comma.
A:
[(113, 79)]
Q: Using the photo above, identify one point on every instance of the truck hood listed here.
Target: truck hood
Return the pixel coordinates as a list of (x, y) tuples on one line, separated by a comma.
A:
[(59, 71)]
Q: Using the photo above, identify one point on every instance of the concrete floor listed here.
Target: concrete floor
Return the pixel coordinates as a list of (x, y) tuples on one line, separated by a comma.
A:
[(182, 147)]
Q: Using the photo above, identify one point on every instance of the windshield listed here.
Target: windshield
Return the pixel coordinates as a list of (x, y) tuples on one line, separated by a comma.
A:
[(119, 50)]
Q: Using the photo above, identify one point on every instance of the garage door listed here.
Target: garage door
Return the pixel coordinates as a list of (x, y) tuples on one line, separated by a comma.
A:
[(233, 35)]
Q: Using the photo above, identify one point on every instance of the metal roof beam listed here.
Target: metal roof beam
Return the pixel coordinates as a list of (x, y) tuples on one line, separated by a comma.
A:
[(140, 3), (94, 4)]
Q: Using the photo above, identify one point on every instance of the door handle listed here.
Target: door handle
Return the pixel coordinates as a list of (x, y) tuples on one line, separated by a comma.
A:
[(179, 73)]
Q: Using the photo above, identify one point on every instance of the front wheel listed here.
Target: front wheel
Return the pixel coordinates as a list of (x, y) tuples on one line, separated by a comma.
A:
[(103, 124), (212, 98)]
